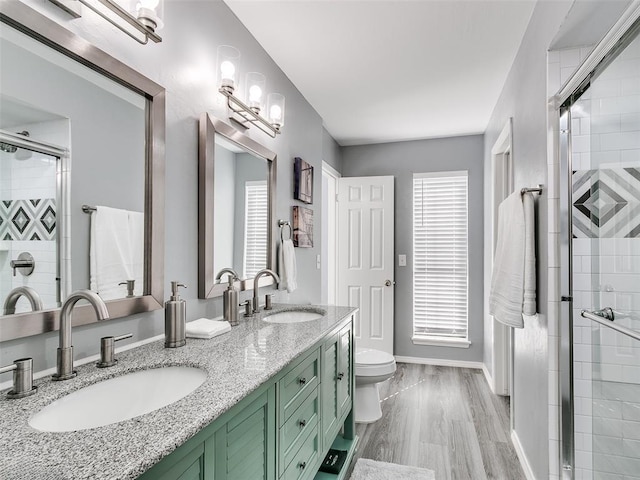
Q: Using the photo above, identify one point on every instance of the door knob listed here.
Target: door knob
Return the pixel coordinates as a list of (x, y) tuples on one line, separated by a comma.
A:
[(388, 283)]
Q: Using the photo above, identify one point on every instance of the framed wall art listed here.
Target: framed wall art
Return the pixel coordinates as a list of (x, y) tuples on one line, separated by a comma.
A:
[(302, 227), (302, 181)]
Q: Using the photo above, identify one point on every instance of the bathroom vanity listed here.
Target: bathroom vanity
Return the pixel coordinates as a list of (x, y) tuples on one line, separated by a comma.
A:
[(276, 398)]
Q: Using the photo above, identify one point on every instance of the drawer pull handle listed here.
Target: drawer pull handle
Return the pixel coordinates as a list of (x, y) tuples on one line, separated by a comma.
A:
[(302, 423), (340, 376), (302, 465), (302, 380)]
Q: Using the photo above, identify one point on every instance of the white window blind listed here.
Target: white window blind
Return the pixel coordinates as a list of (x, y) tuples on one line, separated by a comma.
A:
[(440, 256), (256, 205)]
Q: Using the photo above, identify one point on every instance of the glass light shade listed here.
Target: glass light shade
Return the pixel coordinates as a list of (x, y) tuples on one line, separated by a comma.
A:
[(275, 110), (227, 67), (149, 12), (255, 91)]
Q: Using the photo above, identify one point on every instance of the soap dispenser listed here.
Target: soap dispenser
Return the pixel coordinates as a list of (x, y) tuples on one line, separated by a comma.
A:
[(175, 319), (230, 303), (229, 297)]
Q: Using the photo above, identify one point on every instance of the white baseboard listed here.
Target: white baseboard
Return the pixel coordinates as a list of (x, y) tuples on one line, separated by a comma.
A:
[(440, 362), (489, 378), (522, 457)]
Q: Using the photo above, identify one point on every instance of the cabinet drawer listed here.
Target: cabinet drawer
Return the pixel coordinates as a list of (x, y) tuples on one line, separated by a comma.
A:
[(298, 427), (296, 385), (305, 462)]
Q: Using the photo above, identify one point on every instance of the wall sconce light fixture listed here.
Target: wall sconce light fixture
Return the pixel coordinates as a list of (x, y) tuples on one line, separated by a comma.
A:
[(137, 18), (248, 112)]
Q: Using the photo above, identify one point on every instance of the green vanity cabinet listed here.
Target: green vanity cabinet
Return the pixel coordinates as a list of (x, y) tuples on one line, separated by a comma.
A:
[(283, 429), (244, 446), (190, 467), (337, 383)]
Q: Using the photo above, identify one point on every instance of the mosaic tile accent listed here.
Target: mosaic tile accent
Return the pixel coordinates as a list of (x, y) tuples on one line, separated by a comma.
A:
[(606, 203), (33, 219)]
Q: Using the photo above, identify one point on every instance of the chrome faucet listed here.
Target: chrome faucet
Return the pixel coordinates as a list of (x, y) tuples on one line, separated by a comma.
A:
[(256, 287), (16, 293), (65, 349), (230, 271)]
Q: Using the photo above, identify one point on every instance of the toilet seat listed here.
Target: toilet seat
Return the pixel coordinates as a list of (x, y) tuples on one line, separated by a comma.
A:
[(372, 363)]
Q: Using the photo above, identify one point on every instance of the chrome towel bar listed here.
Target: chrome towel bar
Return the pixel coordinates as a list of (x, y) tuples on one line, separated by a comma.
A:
[(537, 189)]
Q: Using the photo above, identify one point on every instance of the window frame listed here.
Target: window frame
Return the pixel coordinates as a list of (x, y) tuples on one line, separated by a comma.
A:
[(420, 257)]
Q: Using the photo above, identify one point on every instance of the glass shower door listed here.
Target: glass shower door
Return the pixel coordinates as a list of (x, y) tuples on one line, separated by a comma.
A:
[(605, 218)]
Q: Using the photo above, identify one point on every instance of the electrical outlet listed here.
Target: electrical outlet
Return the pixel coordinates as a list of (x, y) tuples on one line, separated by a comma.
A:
[(402, 260)]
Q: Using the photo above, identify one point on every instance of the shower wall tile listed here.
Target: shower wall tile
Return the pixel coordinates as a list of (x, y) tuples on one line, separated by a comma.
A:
[(631, 411)]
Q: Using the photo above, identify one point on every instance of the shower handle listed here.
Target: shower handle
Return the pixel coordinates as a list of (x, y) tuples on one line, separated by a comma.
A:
[(605, 317), (606, 313)]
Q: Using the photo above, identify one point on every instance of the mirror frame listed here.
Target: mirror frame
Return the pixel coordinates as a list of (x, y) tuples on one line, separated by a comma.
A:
[(209, 127), (30, 22)]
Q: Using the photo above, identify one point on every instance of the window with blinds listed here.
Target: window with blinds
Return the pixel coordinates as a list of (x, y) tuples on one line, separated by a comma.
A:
[(256, 205), (440, 257)]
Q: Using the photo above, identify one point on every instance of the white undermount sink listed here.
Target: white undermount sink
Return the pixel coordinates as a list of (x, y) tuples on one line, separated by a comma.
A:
[(117, 399), (295, 316)]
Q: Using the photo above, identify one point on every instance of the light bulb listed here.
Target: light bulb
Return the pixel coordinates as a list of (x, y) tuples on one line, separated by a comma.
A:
[(275, 113), (149, 13), (255, 93), (227, 69)]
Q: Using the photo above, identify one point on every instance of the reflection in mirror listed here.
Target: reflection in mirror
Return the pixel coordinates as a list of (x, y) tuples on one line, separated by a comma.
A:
[(240, 224), (81, 177), (237, 186), (108, 111), (29, 202)]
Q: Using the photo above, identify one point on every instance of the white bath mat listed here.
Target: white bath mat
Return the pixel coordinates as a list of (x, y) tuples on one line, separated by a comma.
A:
[(366, 469)]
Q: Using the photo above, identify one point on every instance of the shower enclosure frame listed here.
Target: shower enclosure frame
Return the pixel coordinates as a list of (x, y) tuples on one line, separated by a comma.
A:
[(559, 136)]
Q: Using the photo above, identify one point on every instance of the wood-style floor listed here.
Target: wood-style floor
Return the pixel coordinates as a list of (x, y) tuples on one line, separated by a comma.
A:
[(445, 419)]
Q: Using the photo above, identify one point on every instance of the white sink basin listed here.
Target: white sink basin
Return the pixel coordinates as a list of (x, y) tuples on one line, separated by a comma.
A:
[(118, 399), (295, 316)]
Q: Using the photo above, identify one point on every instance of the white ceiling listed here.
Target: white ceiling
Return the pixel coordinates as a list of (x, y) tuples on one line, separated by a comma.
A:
[(380, 71)]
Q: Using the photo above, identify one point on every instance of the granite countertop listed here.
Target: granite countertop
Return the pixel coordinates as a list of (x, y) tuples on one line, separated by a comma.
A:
[(236, 363)]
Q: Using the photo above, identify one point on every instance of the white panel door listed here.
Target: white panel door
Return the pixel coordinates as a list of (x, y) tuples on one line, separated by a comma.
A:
[(365, 257)]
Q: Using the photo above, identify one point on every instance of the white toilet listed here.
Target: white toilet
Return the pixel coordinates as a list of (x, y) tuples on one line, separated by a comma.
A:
[(372, 367)]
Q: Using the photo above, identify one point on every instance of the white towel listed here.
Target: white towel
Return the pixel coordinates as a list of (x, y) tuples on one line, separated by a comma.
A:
[(514, 262), (529, 302), (116, 251), (207, 328), (287, 270)]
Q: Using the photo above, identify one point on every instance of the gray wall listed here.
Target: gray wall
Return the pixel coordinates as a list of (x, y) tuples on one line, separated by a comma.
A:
[(401, 160), (524, 98), (331, 151), (184, 63)]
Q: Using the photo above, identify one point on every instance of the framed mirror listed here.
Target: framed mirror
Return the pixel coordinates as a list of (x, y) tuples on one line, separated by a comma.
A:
[(80, 133), (236, 202)]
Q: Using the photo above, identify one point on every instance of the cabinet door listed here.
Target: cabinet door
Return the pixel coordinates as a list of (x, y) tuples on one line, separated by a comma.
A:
[(344, 374), (330, 406), (185, 463), (245, 445)]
